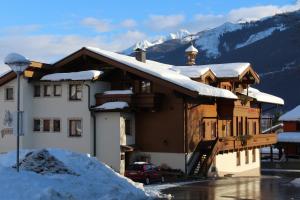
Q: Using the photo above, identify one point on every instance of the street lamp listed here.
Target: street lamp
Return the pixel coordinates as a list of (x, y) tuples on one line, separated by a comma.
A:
[(18, 64)]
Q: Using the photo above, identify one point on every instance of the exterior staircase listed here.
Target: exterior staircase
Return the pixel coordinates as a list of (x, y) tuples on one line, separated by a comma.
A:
[(206, 151)]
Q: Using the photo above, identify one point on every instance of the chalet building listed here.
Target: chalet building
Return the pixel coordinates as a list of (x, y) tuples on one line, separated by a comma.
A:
[(120, 109), (289, 139)]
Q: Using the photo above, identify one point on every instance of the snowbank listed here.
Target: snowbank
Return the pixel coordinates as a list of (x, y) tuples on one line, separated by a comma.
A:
[(94, 181), (292, 115), (75, 76)]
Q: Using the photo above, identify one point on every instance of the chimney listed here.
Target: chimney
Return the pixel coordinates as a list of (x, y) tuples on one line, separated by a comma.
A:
[(191, 53), (140, 54)]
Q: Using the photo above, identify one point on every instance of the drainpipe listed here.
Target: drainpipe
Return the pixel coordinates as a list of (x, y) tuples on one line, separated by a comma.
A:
[(184, 137), (94, 119)]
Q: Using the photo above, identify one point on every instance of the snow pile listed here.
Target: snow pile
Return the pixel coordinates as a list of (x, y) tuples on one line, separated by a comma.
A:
[(118, 92), (259, 36), (166, 73), (292, 137), (95, 181), (112, 105), (209, 40), (42, 162), (292, 115), (75, 76), (263, 97)]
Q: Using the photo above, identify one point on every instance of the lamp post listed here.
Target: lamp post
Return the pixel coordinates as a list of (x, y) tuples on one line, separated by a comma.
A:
[(18, 64)]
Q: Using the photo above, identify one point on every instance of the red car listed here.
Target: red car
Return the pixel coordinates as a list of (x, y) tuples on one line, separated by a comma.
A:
[(144, 172)]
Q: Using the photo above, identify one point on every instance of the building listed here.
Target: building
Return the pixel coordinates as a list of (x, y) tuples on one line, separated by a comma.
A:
[(120, 109), (289, 139)]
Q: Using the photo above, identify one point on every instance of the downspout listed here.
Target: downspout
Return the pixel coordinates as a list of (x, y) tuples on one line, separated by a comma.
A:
[(185, 135), (94, 119)]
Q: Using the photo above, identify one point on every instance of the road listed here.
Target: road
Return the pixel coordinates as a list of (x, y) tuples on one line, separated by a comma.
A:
[(255, 188)]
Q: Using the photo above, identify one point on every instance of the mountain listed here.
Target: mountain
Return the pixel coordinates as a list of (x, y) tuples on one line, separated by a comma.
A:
[(271, 45)]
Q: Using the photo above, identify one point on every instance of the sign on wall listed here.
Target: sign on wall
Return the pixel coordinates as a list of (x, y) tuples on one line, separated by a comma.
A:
[(10, 123)]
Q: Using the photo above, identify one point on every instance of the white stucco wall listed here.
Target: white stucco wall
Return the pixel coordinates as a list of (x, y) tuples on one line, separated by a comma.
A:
[(108, 138), (227, 164)]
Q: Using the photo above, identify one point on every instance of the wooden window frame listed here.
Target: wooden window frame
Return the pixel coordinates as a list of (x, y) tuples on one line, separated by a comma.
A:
[(69, 131), (53, 127), (6, 94), (46, 131), (147, 89), (55, 90), (76, 85), (45, 90)]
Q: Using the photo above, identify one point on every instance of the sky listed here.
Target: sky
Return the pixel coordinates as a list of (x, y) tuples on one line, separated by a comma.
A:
[(48, 30)]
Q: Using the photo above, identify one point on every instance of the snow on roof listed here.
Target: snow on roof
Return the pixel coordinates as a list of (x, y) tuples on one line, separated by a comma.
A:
[(3, 72), (226, 70), (112, 105), (95, 181), (75, 76), (191, 71), (118, 92), (191, 49), (292, 137), (166, 72), (267, 150), (263, 97), (292, 115)]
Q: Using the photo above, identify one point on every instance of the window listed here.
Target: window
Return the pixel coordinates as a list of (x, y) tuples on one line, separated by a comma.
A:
[(46, 125), (145, 86), (253, 155), (202, 129), (75, 92), (238, 158), (213, 129), (56, 125), (246, 156), (37, 91), (47, 90), (9, 94), (127, 127), (254, 128), (75, 128), (57, 90), (36, 125)]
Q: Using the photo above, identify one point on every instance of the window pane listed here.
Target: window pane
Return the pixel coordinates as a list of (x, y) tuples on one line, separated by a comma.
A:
[(37, 91), (36, 125), (75, 92), (127, 127), (75, 128), (47, 90), (56, 125), (9, 94), (57, 90), (46, 125)]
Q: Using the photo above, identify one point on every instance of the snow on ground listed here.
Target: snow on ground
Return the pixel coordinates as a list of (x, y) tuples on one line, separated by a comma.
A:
[(112, 105), (259, 36), (292, 137), (75, 76), (94, 180), (292, 115)]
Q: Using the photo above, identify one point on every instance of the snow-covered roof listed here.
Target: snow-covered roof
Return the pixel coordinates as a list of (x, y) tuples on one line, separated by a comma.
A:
[(263, 97), (112, 105), (118, 92), (165, 72), (191, 71), (226, 70), (75, 76), (292, 137), (292, 115), (191, 49)]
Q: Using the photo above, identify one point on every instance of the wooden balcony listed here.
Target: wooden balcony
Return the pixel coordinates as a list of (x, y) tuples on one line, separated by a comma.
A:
[(137, 101), (248, 141)]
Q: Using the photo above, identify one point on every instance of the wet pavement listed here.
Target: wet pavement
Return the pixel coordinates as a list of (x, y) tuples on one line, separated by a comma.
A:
[(248, 188)]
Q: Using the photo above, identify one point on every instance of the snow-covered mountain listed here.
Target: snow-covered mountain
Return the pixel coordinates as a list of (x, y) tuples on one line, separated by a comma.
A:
[(144, 44), (271, 45)]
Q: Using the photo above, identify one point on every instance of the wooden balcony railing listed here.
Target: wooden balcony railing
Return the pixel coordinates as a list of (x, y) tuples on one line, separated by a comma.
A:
[(140, 100)]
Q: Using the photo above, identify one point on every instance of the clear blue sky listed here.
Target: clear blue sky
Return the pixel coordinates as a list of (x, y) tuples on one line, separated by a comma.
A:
[(48, 29)]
